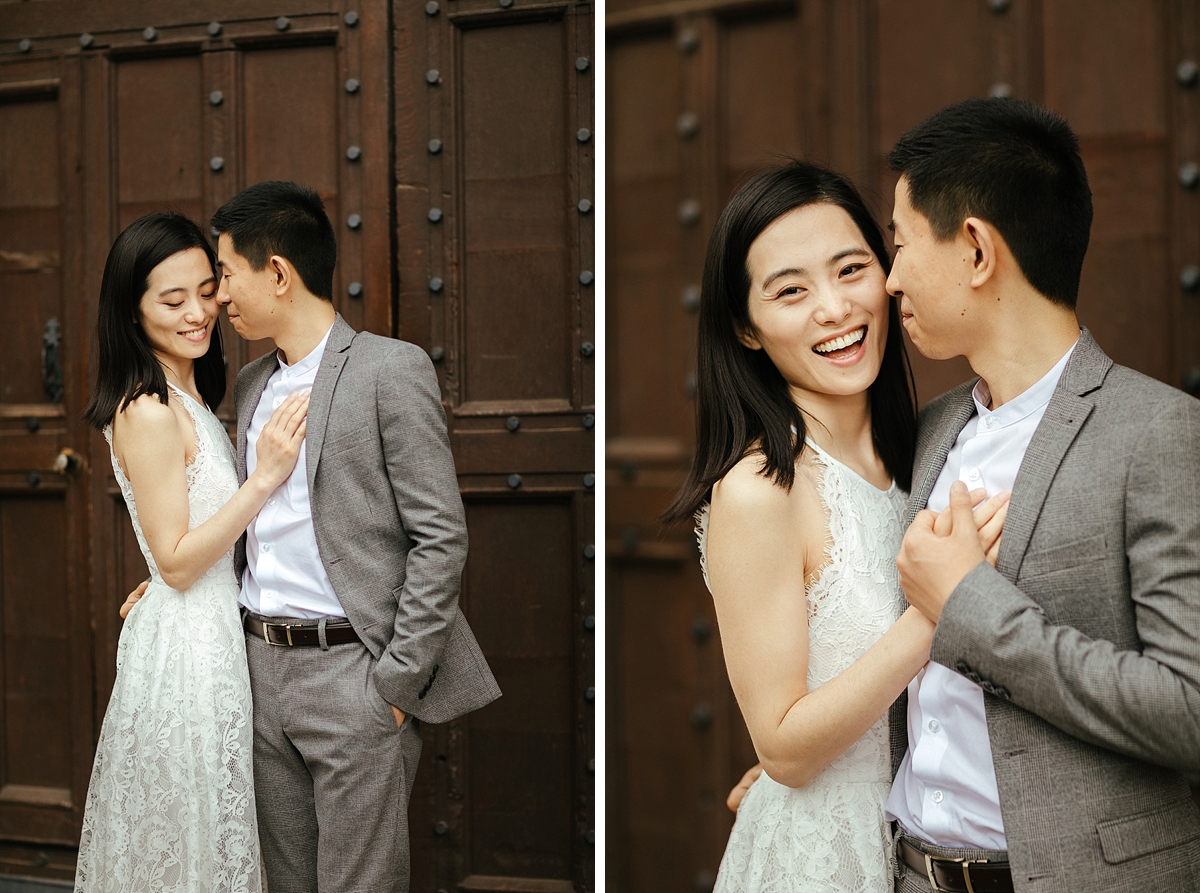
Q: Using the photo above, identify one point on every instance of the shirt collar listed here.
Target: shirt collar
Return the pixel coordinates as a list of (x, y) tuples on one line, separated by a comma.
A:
[(1031, 400), (308, 363)]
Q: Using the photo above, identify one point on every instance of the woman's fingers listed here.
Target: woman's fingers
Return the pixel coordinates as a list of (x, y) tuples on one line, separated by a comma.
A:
[(989, 533), (734, 800)]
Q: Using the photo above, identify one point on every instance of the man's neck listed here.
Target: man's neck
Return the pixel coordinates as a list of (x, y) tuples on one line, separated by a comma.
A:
[(304, 328), (1019, 348)]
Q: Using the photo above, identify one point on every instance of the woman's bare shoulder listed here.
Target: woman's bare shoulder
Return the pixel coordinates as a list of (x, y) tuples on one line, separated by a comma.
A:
[(745, 493)]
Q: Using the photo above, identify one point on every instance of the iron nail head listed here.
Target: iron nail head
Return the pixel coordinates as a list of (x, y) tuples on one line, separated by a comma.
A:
[(149, 34), (214, 29), (585, 206), (589, 480), (216, 97), (432, 76), (583, 135), (86, 40), (589, 421), (435, 146), (353, 153), (586, 277), (350, 18), (432, 8), (25, 45), (282, 23), (354, 221), (437, 354), (436, 285), (514, 481), (582, 63), (352, 85), (355, 290), (216, 163)]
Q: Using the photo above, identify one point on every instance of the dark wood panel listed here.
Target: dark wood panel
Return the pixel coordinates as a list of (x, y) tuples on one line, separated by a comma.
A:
[(30, 242), (158, 125), (514, 208), (63, 17), (1104, 63), (34, 553)]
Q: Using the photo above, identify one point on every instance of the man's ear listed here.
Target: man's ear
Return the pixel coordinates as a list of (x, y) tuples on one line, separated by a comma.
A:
[(282, 271), (984, 242), (748, 339)]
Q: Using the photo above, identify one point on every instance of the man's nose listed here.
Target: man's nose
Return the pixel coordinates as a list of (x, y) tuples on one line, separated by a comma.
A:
[(893, 284), (223, 293)]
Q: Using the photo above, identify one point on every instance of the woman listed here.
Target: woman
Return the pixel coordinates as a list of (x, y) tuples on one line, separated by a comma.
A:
[(171, 800), (804, 450)]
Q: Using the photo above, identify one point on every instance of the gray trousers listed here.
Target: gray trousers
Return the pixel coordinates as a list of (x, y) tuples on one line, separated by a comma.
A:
[(332, 772)]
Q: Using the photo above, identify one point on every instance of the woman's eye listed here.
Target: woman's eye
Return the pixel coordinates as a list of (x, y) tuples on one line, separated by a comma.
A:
[(851, 269), (175, 306), (791, 291)]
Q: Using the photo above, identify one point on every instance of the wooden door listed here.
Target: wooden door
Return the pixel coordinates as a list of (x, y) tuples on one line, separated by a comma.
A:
[(699, 95), (494, 191), (45, 644)]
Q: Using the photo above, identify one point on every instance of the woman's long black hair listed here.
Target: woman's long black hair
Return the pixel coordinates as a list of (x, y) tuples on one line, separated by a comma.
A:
[(128, 366), (741, 398)]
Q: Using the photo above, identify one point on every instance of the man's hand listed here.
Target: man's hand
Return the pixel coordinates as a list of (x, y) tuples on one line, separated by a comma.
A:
[(734, 800), (937, 552), (133, 598), (399, 714)]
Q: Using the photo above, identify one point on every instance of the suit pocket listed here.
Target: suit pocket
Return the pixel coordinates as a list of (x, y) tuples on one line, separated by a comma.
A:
[(348, 441), (1147, 832), (1062, 556)]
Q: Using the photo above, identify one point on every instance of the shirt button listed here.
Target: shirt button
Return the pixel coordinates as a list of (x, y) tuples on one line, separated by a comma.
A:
[(266, 547), (275, 404), (271, 501), (934, 725), (973, 474), (938, 796), (990, 421)]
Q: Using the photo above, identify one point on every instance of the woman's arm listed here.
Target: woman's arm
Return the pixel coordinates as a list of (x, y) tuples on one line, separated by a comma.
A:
[(763, 543), (150, 440)]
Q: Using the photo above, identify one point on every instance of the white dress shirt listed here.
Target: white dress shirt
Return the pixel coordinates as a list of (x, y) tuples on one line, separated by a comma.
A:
[(945, 791), (284, 576)]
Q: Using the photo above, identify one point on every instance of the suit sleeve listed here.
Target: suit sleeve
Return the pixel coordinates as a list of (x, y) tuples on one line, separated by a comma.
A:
[(1144, 704), (420, 468)]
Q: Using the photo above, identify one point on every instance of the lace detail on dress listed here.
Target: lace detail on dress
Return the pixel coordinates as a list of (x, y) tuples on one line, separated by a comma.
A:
[(830, 836), (170, 806)]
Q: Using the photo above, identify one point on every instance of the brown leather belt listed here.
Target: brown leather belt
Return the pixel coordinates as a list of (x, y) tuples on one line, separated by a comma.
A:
[(957, 875), (304, 632)]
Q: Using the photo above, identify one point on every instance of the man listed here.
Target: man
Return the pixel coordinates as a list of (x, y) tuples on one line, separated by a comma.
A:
[(1051, 731), (350, 573)]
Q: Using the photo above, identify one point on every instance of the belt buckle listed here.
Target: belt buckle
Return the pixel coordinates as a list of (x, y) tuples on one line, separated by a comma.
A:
[(267, 634), (965, 864)]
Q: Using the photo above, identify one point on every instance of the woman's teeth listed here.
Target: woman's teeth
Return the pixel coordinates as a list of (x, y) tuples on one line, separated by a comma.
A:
[(842, 341), (195, 334)]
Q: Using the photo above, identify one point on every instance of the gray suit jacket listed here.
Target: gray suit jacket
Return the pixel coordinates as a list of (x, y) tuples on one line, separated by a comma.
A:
[(388, 516), (1086, 636)]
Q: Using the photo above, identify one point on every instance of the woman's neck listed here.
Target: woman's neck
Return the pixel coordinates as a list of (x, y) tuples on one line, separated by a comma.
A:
[(841, 426), (179, 371)]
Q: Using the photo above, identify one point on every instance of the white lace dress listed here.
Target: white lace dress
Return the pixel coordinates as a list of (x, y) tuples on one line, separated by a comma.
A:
[(830, 835), (171, 801)]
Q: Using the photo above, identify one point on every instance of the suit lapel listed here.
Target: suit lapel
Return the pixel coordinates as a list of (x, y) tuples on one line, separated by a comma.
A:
[(933, 449), (1068, 409), (256, 375), (319, 404)]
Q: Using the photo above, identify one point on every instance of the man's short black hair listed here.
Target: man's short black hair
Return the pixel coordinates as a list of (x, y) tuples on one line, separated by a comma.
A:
[(284, 219), (1015, 165)]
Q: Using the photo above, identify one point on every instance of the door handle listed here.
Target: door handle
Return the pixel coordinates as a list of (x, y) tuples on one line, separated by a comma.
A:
[(67, 462)]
